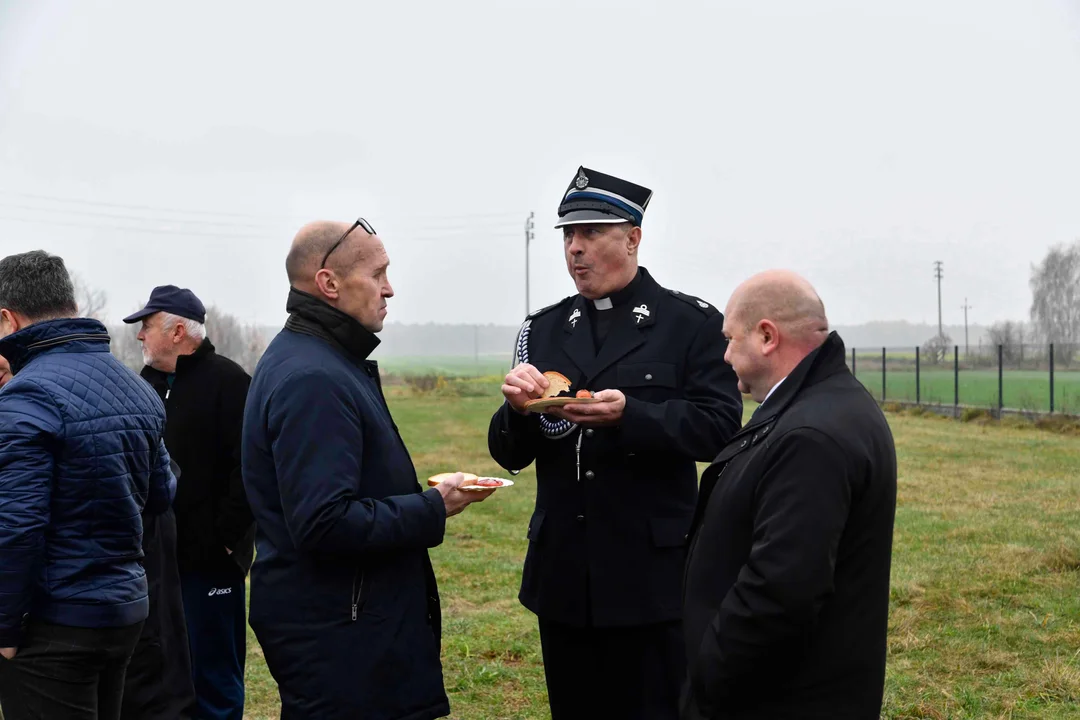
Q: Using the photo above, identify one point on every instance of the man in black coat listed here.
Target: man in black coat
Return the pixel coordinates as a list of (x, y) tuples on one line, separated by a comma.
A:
[(204, 395), (616, 480), (787, 583)]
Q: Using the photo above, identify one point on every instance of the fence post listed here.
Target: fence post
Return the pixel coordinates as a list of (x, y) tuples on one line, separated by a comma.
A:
[(918, 398), (956, 377), (882, 374), (1051, 378), (853, 363), (1001, 379)]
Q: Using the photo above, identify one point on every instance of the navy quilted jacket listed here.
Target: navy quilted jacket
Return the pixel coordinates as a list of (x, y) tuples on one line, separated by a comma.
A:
[(81, 458)]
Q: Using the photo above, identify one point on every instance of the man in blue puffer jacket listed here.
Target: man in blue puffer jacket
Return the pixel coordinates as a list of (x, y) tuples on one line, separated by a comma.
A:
[(81, 459)]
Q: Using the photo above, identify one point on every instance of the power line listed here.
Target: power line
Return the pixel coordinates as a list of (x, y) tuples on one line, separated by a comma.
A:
[(507, 215), (152, 208), (434, 234), (143, 218)]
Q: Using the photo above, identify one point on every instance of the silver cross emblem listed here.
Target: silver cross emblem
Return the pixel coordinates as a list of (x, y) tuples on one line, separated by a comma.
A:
[(574, 317), (641, 312)]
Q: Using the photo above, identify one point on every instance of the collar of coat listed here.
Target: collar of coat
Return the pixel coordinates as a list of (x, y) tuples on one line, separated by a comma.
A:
[(184, 363), (311, 316), (70, 334), (630, 321), (820, 364)]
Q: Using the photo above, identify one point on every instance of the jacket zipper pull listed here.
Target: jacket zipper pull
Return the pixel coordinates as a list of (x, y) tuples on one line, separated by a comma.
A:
[(167, 391), (354, 612)]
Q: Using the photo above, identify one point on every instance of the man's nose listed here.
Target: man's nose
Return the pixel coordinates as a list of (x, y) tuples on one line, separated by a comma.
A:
[(388, 291)]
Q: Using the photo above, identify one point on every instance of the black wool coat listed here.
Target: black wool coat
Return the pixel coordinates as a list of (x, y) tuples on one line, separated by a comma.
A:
[(787, 582)]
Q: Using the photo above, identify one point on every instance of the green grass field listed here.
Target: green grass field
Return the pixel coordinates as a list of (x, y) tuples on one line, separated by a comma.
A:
[(448, 366), (985, 612), (1023, 389)]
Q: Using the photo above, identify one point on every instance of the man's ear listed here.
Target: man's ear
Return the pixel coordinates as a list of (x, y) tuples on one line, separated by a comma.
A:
[(633, 240), (9, 322), (770, 336), (328, 284)]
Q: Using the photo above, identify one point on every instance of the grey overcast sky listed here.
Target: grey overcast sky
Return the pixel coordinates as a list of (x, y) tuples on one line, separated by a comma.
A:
[(853, 141)]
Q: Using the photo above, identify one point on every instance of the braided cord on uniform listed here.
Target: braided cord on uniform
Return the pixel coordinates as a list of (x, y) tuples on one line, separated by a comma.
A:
[(553, 429)]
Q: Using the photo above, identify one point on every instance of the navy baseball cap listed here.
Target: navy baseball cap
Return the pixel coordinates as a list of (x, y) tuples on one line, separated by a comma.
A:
[(173, 300)]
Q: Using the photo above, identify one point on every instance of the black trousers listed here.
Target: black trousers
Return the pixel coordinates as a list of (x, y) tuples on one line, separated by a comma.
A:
[(633, 673), (67, 672)]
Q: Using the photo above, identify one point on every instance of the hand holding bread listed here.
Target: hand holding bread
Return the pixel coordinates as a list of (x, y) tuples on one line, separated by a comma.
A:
[(449, 486), (525, 383)]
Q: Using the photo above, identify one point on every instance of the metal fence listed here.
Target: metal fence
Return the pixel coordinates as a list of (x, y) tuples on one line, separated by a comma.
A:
[(1021, 378)]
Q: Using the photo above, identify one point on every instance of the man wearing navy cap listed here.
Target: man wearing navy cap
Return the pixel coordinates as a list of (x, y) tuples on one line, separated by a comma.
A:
[(204, 395), (616, 480)]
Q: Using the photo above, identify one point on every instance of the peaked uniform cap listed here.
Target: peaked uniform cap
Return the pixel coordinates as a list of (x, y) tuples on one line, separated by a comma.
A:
[(594, 197)]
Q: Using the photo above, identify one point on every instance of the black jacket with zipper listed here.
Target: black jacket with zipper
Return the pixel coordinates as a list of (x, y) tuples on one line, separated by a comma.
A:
[(204, 419), (344, 600), (786, 593)]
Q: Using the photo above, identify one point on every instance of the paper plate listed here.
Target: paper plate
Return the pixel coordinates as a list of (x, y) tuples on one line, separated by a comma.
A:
[(436, 479), (481, 488), (542, 403)]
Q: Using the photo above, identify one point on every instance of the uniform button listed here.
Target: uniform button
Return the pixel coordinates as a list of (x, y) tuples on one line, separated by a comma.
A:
[(581, 518), (589, 432), (589, 475), (648, 376)]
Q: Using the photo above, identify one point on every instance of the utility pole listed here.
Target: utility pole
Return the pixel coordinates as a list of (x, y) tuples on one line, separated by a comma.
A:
[(529, 236), (966, 307), (938, 274)]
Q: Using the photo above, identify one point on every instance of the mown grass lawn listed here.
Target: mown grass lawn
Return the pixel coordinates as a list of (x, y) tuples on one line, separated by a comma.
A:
[(985, 614)]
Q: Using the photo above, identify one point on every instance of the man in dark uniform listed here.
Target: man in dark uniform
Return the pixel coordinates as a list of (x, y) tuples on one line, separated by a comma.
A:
[(787, 583), (616, 480)]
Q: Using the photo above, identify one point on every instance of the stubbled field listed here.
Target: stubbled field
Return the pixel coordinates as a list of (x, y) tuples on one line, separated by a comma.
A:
[(985, 617)]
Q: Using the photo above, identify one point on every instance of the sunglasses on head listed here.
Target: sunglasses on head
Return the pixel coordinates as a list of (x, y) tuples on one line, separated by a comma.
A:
[(360, 222)]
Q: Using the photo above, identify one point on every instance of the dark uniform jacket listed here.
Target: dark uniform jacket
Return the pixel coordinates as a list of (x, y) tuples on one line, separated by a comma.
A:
[(343, 596), (787, 583), (607, 540), (205, 409)]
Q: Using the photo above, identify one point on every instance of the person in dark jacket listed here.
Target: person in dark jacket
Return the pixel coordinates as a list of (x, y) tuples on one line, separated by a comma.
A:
[(344, 601), (204, 396), (81, 462), (158, 685), (616, 480), (787, 583)]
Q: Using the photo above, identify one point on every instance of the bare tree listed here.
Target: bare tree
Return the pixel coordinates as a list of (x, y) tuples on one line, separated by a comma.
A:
[(1055, 306), (125, 346), (91, 301), (936, 349), (243, 344), (1010, 336)]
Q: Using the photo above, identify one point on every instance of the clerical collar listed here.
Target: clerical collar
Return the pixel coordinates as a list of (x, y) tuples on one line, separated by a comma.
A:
[(620, 297)]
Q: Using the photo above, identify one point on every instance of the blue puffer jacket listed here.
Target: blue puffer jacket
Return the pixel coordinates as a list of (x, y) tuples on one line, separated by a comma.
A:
[(81, 458)]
